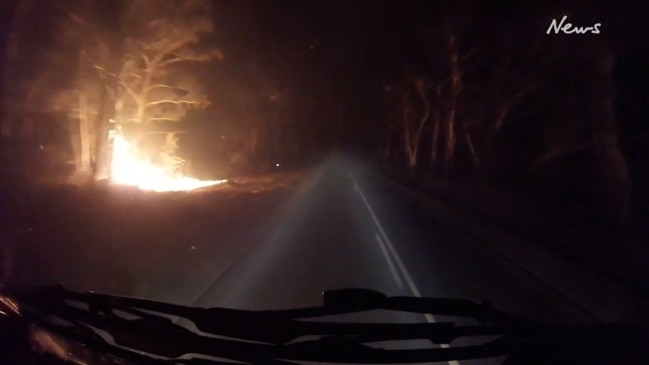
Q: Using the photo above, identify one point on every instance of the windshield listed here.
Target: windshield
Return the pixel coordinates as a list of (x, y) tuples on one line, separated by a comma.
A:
[(253, 154)]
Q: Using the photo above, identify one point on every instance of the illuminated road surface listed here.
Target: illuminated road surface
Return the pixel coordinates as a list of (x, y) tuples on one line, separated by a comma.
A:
[(343, 227), (347, 227), (350, 228)]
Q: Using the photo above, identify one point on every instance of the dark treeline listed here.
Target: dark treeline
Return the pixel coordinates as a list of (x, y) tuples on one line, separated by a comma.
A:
[(480, 92), (467, 90)]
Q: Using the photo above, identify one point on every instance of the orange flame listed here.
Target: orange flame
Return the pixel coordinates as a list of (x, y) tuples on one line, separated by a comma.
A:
[(128, 169)]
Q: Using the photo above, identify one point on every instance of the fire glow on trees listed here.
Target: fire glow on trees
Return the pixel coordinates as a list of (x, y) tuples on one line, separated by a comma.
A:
[(128, 169)]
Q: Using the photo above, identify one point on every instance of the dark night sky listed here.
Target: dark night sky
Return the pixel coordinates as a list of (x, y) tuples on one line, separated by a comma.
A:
[(369, 40), (364, 42), (341, 52), (347, 50), (353, 46)]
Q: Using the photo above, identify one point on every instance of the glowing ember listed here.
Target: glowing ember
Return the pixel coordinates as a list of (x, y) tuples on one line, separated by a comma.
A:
[(128, 169)]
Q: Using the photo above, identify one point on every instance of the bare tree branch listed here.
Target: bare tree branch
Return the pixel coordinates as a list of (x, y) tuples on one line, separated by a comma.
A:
[(104, 70), (153, 119), (131, 92), (566, 149), (171, 48), (76, 18), (147, 62), (183, 59), (169, 101), (162, 86)]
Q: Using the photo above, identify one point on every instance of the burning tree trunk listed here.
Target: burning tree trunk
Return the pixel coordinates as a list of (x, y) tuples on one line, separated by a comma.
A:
[(106, 113), (84, 135), (86, 128)]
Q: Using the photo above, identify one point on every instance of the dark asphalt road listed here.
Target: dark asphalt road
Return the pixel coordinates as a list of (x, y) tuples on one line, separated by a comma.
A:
[(348, 227), (343, 227)]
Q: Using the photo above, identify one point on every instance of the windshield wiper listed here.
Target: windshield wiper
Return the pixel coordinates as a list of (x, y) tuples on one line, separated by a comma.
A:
[(144, 328)]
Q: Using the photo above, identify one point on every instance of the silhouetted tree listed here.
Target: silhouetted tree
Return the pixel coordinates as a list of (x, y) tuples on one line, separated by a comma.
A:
[(130, 59)]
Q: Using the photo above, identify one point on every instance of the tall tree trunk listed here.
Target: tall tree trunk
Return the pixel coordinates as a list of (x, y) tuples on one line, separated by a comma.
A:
[(106, 112), (407, 134), (85, 128), (142, 103), (614, 185), (388, 145), (451, 138), (108, 109), (501, 115), (435, 136), (413, 137), (273, 134), (456, 80), (412, 158), (469, 143), (434, 145), (84, 134), (140, 113), (74, 132), (111, 105), (11, 76)]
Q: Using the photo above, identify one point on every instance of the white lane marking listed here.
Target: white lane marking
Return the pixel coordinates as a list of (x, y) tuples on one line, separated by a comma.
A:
[(388, 243), (395, 274), (411, 284)]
